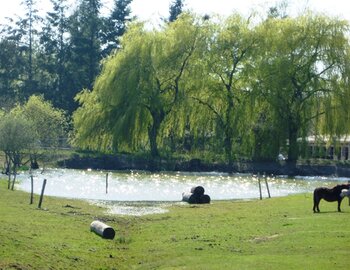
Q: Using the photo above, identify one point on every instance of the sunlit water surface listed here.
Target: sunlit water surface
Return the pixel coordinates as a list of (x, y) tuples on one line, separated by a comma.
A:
[(138, 192)]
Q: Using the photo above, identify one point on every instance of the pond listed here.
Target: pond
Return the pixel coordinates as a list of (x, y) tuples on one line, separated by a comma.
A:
[(131, 188)]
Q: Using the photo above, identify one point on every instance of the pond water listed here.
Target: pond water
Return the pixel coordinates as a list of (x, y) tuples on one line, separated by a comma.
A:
[(127, 189), (165, 186)]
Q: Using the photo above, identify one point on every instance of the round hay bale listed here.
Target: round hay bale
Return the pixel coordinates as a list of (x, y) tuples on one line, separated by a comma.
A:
[(190, 198), (198, 190), (205, 198)]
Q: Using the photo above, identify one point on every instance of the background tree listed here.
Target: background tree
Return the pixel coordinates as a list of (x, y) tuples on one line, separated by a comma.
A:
[(114, 26), (29, 32), (49, 126), (224, 87), (336, 121), (15, 136), (85, 47), (300, 72), (264, 136), (12, 65), (175, 9), (22, 36), (279, 10), (54, 49), (141, 84)]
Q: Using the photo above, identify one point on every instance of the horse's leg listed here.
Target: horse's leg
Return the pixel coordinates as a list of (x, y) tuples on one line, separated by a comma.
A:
[(316, 203), (339, 202), (314, 208)]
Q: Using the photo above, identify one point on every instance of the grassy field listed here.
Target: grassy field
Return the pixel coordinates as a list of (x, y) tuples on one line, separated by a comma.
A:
[(277, 233)]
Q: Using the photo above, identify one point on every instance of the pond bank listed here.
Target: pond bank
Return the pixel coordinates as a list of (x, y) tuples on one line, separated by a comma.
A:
[(128, 162)]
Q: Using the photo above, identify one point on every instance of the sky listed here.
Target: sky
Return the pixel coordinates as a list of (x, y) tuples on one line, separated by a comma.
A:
[(154, 9)]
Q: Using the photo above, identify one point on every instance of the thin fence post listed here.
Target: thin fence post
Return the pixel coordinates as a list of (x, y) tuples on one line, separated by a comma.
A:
[(106, 183), (31, 189), (14, 179), (42, 194), (267, 187), (259, 187), (9, 180), (349, 197)]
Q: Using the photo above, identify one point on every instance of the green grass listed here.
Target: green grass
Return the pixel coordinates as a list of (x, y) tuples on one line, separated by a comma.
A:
[(277, 233)]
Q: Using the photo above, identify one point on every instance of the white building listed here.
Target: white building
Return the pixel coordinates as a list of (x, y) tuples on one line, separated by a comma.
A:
[(329, 147)]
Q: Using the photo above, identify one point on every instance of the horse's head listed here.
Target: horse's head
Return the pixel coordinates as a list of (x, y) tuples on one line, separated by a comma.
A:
[(345, 193), (343, 186)]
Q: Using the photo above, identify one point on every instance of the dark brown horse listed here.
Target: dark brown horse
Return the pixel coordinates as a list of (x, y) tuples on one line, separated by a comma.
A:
[(329, 194)]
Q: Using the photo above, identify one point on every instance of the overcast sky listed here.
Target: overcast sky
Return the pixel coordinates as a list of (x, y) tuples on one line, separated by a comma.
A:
[(153, 9)]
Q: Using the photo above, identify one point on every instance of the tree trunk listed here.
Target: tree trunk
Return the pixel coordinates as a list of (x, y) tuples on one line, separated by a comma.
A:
[(14, 177), (157, 117), (8, 169), (293, 151), (152, 133), (9, 180), (230, 121), (34, 162), (228, 150)]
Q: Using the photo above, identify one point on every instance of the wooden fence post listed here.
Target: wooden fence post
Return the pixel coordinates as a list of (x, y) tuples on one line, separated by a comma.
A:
[(267, 187), (31, 189), (349, 197), (14, 178), (42, 194), (106, 183), (259, 187)]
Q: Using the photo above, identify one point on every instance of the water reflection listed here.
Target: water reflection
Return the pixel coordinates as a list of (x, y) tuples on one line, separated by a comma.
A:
[(167, 186)]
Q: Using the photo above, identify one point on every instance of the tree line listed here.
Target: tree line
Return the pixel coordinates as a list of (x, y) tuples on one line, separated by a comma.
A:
[(44, 63), (220, 89), (59, 54), (234, 87)]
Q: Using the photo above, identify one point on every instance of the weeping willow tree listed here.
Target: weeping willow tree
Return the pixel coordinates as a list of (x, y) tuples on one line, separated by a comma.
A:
[(138, 88), (333, 126), (237, 88), (263, 132), (224, 88), (300, 73)]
